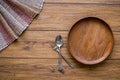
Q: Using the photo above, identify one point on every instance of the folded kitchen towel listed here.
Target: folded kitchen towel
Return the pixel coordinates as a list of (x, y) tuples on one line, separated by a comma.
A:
[(15, 17)]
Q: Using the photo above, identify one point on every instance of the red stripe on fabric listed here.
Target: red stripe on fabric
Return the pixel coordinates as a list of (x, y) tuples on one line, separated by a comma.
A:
[(19, 12), (5, 35)]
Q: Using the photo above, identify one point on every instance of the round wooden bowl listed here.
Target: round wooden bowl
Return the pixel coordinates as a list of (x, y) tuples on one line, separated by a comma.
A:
[(90, 40)]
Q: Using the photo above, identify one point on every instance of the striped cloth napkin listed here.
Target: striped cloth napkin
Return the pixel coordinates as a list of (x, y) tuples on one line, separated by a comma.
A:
[(15, 17)]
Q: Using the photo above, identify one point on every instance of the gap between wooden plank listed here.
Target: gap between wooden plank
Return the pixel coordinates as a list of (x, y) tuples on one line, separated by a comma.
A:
[(84, 1), (106, 4), (40, 58), (56, 30)]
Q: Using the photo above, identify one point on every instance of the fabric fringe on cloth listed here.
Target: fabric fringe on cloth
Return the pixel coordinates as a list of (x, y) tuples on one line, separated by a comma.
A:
[(15, 17)]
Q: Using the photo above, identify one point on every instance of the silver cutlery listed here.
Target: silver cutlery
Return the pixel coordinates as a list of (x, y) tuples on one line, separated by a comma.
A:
[(56, 46), (59, 44)]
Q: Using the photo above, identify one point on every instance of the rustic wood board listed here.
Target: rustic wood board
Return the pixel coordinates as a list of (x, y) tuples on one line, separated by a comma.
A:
[(31, 57)]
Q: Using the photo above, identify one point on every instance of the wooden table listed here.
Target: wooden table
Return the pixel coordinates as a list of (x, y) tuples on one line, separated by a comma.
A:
[(31, 57)]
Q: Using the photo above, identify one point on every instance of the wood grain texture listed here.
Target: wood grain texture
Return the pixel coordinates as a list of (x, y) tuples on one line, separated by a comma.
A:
[(31, 57), (30, 42), (39, 69), (63, 16)]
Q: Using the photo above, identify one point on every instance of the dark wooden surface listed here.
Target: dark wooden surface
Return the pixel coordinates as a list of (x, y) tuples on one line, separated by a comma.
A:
[(31, 57)]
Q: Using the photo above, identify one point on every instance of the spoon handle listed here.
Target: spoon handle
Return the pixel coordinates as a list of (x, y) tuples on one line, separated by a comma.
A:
[(65, 59)]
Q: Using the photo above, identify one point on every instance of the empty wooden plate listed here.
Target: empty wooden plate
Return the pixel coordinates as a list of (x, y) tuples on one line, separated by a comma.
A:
[(90, 40)]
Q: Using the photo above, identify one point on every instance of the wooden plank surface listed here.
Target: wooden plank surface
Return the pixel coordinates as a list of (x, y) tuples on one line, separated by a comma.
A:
[(39, 69), (31, 57), (63, 16), (40, 41)]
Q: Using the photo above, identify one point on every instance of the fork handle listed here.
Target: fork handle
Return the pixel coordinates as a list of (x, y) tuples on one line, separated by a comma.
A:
[(60, 66)]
